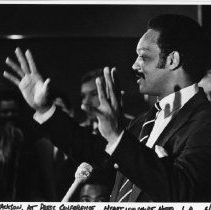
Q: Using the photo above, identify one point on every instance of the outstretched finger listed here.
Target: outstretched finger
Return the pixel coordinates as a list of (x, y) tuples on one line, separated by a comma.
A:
[(11, 77), (113, 75), (106, 86), (14, 67), (110, 86), (22, 60), (101, 92), (115, 80), (31, 62)]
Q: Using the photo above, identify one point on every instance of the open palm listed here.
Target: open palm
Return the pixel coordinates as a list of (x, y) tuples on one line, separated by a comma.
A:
[(29, 81)]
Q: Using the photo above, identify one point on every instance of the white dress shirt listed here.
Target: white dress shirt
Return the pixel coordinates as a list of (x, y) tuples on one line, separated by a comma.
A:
[(169, 105)]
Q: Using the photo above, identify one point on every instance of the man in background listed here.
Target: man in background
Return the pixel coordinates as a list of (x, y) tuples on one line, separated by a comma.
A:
[(90, 98)]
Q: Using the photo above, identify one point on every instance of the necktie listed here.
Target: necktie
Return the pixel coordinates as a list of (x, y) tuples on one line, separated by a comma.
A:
[(149, 123), (127, 187)]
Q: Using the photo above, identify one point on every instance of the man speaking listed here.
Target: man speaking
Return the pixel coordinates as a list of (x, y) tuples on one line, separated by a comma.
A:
[(163, 156)]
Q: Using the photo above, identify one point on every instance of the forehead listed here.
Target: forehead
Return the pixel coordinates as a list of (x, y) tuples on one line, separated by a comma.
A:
[(88, 86), (92, 190), (148, 41)]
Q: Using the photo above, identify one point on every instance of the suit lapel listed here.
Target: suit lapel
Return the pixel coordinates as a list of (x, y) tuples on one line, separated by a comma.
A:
[(181, 118)]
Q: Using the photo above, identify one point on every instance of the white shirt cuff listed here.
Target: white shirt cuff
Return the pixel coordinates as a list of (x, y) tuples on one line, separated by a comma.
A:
[(110, 148), (43, 117)]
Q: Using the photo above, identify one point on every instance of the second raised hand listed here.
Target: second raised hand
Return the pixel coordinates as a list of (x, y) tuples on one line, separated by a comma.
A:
[(108, 112), (31, 84)]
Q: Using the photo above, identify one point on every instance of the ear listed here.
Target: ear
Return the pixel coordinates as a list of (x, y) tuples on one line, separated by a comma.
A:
[(173, 60)]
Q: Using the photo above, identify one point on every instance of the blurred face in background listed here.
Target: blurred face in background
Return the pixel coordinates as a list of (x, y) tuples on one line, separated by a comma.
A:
[(94, 193), (10, 132), (9, 110), (89, 98)]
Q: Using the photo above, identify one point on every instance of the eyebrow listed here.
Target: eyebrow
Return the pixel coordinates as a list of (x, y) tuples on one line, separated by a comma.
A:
[(142, 48), (89, 91)]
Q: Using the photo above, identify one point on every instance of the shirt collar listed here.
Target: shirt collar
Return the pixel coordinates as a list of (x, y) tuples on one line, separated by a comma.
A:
[(178, 99)]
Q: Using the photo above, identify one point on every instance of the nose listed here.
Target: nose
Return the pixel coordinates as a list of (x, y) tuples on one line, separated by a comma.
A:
[(135, 66), (85, 103), (86, 98)]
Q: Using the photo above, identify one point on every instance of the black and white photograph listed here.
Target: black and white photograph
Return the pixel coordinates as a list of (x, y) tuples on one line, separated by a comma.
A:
[(105, 101)]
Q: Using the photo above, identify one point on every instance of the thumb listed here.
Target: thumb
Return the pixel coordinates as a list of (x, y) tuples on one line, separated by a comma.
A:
[(41, 90), (45, 85)]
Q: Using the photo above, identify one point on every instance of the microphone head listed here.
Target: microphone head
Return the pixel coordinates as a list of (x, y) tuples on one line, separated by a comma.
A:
[(83, 172)]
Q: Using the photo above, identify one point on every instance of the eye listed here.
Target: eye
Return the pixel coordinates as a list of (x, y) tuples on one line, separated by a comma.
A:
[(94, 93), (144, 57), (141, 58)]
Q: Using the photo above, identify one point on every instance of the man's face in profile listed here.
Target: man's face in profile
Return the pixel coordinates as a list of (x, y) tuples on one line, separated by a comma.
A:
[(150, 71), (93, 193), (89, 98)]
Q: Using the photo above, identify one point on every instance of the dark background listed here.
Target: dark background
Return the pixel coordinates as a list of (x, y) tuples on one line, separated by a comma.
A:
[(69, 40)]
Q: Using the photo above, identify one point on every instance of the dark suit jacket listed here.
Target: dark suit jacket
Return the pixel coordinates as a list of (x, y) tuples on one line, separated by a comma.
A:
[(185, 175)]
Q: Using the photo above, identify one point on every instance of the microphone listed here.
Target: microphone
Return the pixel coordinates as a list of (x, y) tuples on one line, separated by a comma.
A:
[(82, 173)]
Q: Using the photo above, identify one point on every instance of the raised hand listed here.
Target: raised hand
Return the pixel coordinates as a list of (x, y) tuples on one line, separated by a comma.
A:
[(28, 80), (108, 113)]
